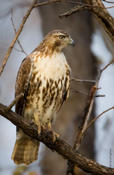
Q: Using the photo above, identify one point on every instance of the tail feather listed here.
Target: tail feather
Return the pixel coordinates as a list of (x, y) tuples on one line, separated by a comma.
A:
[(25, 150)]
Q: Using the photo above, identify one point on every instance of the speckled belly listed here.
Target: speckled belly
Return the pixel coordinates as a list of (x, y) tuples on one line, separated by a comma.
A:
[(45, 97)]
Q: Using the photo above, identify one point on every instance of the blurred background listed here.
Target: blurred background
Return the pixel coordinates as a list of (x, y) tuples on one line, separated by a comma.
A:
[(90, 54)]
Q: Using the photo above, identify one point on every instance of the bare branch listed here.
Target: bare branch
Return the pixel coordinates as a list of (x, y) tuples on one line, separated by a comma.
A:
[(46, 2), (15, 101), (18, 50), (100, 95), (16, 36), (107, 65), (110, 7), (79, 92), (108, 1), (22, 50), (60, 146), (104, 18), (83, 81), (93, 121)]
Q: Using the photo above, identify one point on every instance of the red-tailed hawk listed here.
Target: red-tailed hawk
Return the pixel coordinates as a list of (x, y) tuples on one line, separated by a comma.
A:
[(44, 78)]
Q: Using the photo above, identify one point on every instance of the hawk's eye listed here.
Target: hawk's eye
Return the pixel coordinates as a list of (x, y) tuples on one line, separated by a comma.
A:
[(62, 36)]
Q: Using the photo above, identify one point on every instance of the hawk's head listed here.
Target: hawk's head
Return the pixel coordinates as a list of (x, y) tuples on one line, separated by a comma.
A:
[(57, 40)]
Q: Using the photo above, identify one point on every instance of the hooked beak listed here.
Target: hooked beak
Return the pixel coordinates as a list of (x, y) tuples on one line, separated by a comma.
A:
[(72, 42)]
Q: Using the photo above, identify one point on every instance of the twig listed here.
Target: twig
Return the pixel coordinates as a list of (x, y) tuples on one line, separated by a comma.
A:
[(16, 36), (100, 12), (60, 146), (83, 93), (83, 81), (110, 7), (100, 95), (77, 8), (108, 1), (18, 50), (54, 1), (22, 50), (93, 121), (15, 101), (79, 92), (46, 2), (107, 65)]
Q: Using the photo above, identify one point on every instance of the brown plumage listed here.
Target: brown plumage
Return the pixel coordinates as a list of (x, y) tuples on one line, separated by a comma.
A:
[(43, 77)]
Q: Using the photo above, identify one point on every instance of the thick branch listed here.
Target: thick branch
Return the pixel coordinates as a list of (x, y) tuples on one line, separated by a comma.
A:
[(59, 145)]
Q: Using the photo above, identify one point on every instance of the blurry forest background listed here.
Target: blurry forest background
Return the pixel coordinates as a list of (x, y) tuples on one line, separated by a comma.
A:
[(89, 54)]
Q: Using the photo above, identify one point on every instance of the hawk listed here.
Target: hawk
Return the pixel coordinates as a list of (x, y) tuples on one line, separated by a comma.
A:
[(44, 79)]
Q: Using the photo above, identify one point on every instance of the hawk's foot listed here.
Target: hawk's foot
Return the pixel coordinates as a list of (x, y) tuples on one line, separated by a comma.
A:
[(39, 128), (55, 136), (32, 122), (49, 126)]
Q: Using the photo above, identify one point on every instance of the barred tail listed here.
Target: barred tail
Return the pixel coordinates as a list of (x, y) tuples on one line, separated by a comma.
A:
[(25, 150)]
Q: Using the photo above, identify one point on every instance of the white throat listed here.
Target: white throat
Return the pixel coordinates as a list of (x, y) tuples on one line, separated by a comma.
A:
[(52, 67)]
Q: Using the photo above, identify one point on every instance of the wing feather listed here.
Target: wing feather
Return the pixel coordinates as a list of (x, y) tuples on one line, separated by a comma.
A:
[(22, 84)]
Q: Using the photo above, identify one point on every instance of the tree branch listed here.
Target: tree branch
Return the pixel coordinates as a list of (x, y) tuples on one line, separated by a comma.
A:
[(102, 15), (22, 50), (83, 81), (108, 1), (46, 2), (60, 146), (16, 36), (93, 121)]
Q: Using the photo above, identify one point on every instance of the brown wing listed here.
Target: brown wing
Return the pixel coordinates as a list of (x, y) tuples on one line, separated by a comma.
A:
[(66, 84), (65, 92), (22, 84)]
